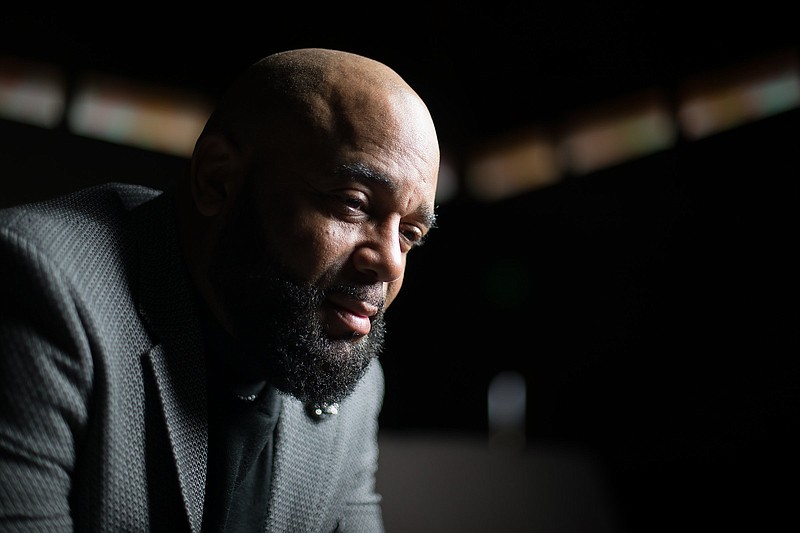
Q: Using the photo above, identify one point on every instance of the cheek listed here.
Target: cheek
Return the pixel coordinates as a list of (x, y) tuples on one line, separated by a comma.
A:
[(312, 250)]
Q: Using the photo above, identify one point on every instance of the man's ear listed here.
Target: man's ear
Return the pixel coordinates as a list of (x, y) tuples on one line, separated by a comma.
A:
[(217, 171)]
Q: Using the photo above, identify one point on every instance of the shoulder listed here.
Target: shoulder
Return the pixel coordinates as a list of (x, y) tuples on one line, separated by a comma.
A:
[(70, 243), (363, 406), (368, 394), (81, 207), (75, 225), (373, 381)]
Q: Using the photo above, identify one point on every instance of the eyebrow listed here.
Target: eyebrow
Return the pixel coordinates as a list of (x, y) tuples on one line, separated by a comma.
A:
[(369, 176)]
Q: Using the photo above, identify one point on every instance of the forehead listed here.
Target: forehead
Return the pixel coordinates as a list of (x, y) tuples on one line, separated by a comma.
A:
[(391, 141), (377, 137)]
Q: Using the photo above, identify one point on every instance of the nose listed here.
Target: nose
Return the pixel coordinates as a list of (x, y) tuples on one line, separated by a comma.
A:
[(379, 255)]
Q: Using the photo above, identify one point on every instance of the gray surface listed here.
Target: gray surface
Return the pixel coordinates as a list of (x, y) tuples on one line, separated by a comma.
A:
[(452, 483)]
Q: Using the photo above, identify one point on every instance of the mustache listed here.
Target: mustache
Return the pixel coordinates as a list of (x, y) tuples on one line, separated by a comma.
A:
[(313, 294), (372, 294)]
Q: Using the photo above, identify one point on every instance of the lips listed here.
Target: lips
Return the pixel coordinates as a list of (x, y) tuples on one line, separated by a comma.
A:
[(348, 316)]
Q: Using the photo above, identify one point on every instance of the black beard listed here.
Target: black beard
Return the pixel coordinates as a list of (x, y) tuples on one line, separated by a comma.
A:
[(277, 322), (291, 346)]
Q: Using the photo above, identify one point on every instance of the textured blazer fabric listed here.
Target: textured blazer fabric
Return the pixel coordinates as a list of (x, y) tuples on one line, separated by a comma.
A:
[(103, 413)]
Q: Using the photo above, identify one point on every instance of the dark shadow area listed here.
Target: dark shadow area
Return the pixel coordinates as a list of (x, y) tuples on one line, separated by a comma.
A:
[(39, 163), (649, 307)]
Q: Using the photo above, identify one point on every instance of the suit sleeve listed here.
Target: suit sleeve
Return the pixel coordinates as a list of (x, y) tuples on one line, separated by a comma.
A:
[(45, 376)]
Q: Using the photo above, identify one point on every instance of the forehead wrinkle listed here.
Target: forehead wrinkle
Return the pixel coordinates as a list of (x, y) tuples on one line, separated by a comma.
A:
[(369, 176)]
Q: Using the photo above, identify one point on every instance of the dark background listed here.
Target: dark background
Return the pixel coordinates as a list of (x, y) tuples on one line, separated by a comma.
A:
[(651, 306), (483, 69)]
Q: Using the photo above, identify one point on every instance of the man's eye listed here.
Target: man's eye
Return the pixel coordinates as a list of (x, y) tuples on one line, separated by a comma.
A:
[(352, 202), (413, 236)]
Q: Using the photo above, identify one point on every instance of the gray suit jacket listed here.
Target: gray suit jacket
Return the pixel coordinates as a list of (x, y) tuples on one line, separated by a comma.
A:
[(103, 415)]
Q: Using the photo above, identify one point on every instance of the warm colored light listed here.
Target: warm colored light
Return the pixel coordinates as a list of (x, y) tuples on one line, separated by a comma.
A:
[(149, 117), (512, 166), (447, 186), (617, 132), (31, 92), (721, 100)]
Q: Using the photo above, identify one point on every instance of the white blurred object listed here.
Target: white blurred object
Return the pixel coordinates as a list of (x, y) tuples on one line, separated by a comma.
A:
[(507, 397)]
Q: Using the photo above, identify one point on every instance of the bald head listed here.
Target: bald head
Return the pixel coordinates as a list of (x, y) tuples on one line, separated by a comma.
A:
[(286, 97)]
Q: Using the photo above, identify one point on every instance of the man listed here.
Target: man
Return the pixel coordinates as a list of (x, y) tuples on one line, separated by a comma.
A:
[(205, 359)]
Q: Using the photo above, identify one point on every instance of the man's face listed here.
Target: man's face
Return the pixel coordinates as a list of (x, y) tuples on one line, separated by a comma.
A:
[(314, 252), (278, 317)]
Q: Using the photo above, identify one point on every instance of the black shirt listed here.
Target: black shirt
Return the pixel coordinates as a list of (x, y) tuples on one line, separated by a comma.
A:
[(242, 420)]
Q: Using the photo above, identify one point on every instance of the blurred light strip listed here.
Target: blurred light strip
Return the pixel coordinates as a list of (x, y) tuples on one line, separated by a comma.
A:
[(511, 166), (724, 99), (31, 92), (145, 116), (615, 132), (447, 185)]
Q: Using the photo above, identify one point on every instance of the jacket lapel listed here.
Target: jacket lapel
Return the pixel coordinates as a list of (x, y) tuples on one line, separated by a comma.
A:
[(167, 305), (187, 429), (304, 469)]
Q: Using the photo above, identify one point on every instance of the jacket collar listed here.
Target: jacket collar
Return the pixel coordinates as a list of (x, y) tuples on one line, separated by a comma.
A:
[(168, 307)]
